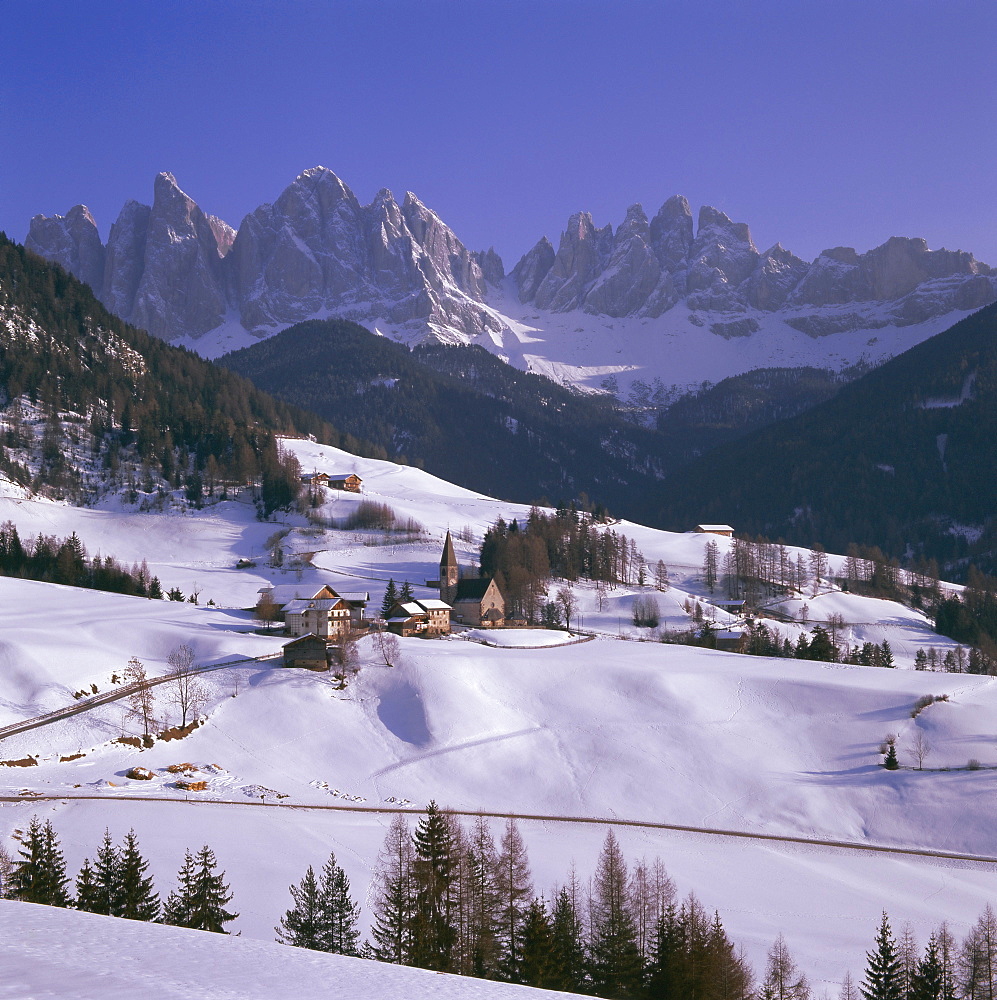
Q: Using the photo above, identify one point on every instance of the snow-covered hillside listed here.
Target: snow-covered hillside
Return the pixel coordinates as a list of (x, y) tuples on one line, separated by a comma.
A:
[(578, 737), (81, 956)]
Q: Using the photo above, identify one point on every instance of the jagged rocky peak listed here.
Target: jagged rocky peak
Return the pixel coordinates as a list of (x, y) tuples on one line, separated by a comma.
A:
[(671, 232), (776, 274), (721, 256), (532, 268), (581, 256), (71, 241), (491, 265), (224, 234), (632, 272)]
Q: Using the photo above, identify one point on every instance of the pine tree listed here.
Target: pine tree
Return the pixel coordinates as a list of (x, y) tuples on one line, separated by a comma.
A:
[(303, 924), (886, 654), (107, 878), (615, 961), (137, 899), (202, 895), (87, 896), (535, 960), (394, 896), (340, 935), (40, 875), (891, 763), (405, 594), (883, 977), (433, 930), (928, 979), (730, 976), (663, 973), (514, 886), (567, 950), (390, 598)]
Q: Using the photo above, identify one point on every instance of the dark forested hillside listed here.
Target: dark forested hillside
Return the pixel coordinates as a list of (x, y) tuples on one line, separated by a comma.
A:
[(463, 414), (904, 458), (113, 390)]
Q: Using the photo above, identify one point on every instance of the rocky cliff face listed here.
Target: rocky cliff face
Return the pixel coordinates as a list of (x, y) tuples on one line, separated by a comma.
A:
[(315, 251), (643, 269)]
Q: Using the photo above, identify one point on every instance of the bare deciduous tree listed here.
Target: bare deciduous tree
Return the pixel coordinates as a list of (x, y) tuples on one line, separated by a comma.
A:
[(386, 644), (186, 690), (568, 604), (141, 701), (266, 609), (919, 748)]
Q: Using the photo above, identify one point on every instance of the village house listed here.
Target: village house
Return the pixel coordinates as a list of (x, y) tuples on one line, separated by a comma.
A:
[(475, 601), (351, 483), (350, 607), (716, 529), (309, 652), (426, 617), (328, 618), (315, 479)]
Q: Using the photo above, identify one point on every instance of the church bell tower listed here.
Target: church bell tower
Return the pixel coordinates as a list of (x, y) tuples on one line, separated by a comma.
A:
[(448, 572)]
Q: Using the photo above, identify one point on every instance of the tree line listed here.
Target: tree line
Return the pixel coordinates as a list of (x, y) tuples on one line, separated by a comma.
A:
[(451, 899), (568, 544)]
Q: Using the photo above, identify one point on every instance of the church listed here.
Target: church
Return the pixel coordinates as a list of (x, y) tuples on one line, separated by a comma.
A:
[(475, 600)]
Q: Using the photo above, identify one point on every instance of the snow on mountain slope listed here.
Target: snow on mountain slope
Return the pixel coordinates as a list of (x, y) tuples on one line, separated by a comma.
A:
[(103, 958), (605, 730)]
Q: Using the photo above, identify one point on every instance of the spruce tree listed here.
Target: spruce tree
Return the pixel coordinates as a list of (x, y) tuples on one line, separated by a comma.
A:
[(390, 598), (891, 763), (883, 976), (137, 899), (202, 895), (535, 961), (405, 594), (664, 969), (340, 936), (433, 932), (40, 875), (87, 896), (107, 878), (928, 980), (567, 949), (303, 925)]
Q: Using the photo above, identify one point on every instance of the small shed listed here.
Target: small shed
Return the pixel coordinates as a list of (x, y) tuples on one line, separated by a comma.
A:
[(730, 640), (310, 652), (716, 529), (351, 483)]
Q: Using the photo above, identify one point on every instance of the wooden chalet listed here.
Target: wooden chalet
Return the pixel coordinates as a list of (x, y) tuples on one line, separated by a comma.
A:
[(328, 618), (309, 652), (351, 483), (715, 529), (422, 617), (315, 479)]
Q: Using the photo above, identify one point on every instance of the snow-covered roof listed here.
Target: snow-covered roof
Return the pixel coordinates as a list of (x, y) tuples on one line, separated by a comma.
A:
[(283, 593), (411, 608), (433, 604), (354, 596), (714, 527), (322, 604)]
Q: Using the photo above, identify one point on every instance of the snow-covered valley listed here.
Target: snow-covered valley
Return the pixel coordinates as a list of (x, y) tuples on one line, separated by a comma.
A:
[(581, 736)]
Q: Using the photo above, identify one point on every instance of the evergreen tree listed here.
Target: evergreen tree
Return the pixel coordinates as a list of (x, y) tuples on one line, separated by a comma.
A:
[(340, 935), (664, 969), (202, 895), (394, 896), (886, 654), (928, 980), (303, 924), (390, 598), (535, 960), (107, 878), (891, 763), (137, 899), (883, 975), (435, 863), (567, 949), (87, 896), (615, 961), (40, 875), (405, 594)]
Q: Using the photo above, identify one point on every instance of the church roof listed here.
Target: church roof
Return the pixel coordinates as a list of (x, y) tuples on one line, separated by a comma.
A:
[(449, 557), (471, 589)]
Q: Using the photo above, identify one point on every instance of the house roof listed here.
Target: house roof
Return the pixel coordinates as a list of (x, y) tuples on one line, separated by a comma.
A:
[(310, 638), (343, 478), (410, 607), (322, 604), (282, 593), (714, 527), (433, 604), (355, 596)]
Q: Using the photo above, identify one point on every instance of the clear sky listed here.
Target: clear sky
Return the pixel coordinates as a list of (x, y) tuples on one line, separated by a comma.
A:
[(818, 124)]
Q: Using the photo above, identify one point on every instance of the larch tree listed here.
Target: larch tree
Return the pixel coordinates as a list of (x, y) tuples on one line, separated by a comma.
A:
[(394, 896), (783, 979), (514, 887)]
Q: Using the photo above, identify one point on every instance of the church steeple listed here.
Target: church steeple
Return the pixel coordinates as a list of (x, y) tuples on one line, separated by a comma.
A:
[(448, 572)]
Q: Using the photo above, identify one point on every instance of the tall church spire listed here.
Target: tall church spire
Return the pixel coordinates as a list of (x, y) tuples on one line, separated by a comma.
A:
[(448, 572)]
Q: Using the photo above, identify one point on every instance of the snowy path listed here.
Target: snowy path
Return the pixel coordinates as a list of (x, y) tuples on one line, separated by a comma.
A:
[(613, 821)]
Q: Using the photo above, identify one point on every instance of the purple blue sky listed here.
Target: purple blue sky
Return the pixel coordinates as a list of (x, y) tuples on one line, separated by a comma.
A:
[(818, 124)]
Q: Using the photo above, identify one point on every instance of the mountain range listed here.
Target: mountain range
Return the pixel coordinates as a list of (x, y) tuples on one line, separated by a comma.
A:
[(655, 298)]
